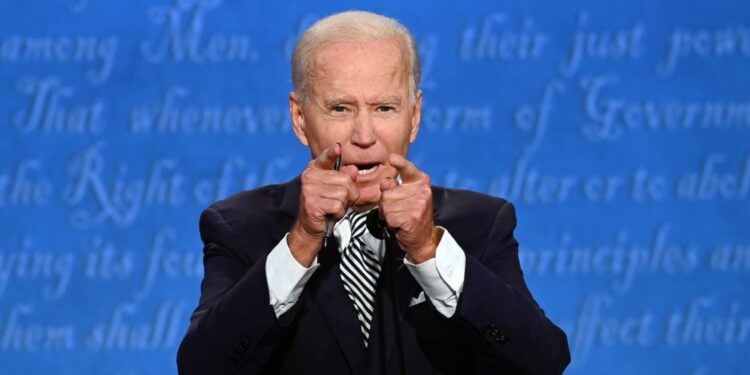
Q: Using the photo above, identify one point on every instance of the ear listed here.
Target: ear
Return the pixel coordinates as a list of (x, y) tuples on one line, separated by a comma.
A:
[(298, 118), (416, 117)]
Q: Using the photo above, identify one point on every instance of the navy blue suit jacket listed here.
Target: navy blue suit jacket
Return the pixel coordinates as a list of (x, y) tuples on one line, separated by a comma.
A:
[(498, 328)]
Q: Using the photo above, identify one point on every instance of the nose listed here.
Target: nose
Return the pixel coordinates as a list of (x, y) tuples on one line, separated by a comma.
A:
[(363, 134)]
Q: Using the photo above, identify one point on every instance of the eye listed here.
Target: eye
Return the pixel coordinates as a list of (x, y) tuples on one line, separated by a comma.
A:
[(339, 109), (385, 108)]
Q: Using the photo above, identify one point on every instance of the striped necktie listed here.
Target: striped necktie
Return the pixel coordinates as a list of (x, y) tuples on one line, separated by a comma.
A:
[(360, 270)]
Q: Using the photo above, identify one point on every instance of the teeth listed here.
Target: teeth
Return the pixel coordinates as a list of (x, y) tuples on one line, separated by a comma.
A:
[(368, 171)]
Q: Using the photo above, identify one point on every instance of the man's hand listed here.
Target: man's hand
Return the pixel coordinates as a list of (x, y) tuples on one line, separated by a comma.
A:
[(324, 192), (407, 208)]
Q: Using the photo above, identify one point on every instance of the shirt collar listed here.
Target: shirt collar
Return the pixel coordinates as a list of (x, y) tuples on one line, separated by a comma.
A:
[(342, 231)]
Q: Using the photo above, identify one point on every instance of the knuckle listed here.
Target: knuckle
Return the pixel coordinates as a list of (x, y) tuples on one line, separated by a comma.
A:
[(342, 193), (426, 190), (407, 227), (338, 205), (307, 176), (341, 178), (403, 224), (391, 221), (416, 217)]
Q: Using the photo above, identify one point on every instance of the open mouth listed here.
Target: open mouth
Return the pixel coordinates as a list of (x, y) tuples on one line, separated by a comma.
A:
[(365, 169)]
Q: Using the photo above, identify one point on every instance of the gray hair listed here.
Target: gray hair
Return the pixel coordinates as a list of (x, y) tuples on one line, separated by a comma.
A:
[(350, 26)]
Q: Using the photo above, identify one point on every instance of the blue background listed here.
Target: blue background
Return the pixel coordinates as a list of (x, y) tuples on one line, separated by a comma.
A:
[(627, 159)]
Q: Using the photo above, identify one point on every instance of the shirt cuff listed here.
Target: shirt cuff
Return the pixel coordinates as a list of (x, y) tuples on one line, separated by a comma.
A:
[(442, 277), (286, 277)]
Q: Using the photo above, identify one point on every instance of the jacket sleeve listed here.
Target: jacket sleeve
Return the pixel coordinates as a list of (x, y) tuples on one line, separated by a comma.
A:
[(234, 328), (506, 326)]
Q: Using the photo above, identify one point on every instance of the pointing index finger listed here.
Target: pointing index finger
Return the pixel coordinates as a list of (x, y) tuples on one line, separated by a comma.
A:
[(406, 169), (328, 158)]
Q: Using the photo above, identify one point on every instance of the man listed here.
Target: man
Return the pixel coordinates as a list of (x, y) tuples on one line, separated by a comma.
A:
[(442, 292)]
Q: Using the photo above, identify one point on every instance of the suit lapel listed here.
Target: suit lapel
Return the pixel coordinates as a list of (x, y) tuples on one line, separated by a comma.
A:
[(330, 296), (328, 293), (396, 288)]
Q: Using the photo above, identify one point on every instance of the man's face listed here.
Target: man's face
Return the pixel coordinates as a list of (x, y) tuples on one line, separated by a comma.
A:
[(359, 96)]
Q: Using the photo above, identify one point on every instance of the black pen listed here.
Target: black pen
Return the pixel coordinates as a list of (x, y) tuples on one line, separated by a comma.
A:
[(336, 166)]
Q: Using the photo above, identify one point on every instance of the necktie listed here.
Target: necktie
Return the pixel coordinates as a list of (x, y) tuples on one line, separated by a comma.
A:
[(360, 270)]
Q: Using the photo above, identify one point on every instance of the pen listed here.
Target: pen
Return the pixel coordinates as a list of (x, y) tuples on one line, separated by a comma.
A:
[(336, 166)]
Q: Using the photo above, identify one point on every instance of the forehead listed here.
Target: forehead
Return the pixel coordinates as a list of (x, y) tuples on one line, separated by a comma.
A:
[(365, 65)]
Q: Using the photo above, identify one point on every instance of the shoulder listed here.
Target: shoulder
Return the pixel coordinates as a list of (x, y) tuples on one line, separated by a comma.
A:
[(472, 217), (458, 204), (258, 202), (255, 214)]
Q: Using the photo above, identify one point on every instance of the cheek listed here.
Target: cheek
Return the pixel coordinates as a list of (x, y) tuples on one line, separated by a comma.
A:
[(397, 142), (321, 135)]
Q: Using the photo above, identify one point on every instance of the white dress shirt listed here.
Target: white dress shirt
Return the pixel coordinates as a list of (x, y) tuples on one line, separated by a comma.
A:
[(441, 278)]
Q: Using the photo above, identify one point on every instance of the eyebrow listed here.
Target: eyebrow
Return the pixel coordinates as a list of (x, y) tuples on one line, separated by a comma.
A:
[(333, 102), (388, 100), (395, 100)]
